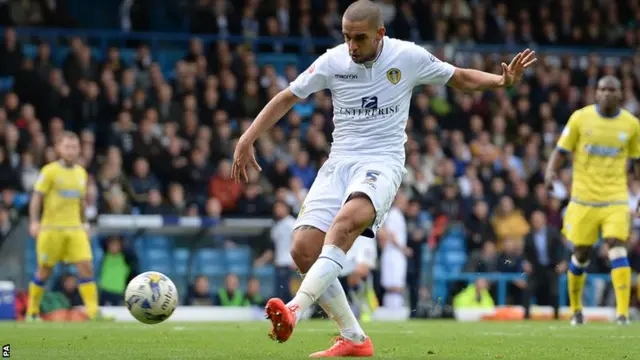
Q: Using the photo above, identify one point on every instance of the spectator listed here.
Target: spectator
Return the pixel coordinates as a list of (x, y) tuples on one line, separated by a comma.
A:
[(142, 181), (508, 222), (29, 172), (155, 205), (199, 293), (10, 54), (8, 176), (198, 174), (118, 267), (478, 230), (223, 188), (545, 260), (510, 260), (303, 169), (474, 296), (253, 297), (230, 294)]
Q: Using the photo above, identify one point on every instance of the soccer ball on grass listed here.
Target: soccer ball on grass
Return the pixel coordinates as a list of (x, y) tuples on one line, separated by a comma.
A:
[(151, 297)]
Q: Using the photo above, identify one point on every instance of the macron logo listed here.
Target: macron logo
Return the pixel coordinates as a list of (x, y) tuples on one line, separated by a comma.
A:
[(346, 76)]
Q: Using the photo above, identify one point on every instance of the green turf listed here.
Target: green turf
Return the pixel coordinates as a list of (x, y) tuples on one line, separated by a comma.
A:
[(408, 340)]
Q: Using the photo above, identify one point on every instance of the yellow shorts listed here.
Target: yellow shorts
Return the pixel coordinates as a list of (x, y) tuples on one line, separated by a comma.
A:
[(583, 223), (70, 246)]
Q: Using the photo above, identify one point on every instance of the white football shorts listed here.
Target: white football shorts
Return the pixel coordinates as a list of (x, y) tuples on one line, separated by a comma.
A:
[(337, 179)]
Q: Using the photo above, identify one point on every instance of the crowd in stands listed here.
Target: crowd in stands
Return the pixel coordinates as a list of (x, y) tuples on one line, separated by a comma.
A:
[(157, 142)]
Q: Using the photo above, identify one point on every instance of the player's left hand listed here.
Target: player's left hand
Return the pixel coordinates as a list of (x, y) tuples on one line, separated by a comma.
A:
[(512, 73), (243, 156)]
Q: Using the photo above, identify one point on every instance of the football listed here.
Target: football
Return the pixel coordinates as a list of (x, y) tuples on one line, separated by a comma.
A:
[(151, 297)]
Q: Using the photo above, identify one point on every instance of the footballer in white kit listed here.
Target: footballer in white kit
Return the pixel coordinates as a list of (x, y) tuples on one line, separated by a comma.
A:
[(371, 78), (370, 112)]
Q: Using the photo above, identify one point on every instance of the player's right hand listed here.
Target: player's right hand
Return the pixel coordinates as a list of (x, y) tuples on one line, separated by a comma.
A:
[(34, 229), (243, 156)]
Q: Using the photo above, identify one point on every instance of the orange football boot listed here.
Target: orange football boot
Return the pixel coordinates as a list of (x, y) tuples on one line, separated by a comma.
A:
[(346, 348), (283, 319)]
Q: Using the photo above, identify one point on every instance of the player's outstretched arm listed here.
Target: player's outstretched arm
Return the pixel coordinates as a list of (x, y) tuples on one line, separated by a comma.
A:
[(244, 155), (473, 80)]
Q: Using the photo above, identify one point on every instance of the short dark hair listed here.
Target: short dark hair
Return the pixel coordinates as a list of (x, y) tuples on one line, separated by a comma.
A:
[(364, 10)]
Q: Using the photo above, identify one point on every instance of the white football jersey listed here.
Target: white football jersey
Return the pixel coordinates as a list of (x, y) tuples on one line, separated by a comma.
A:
[(371, 104)]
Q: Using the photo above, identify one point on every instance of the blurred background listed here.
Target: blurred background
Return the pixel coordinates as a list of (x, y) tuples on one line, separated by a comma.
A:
[(159, 92)]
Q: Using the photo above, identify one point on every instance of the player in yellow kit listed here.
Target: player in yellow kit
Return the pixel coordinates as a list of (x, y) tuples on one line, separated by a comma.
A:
[(601, 137), (60, 234)]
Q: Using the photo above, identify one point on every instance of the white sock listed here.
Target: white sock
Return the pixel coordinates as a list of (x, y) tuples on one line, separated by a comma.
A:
[(334, 302), (318, 279)]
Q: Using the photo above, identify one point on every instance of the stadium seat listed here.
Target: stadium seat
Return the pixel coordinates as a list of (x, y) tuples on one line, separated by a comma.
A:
[(157, 260), (181, 261), (209, 262), (158, 242), (238, 256), (239, 269), (160, 266), (266, 275)]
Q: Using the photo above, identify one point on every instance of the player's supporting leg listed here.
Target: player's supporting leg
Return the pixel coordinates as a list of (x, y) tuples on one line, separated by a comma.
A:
[(620, 277), (306, 248), (36, 291), (87, 288), (576, 279), (354, 217)]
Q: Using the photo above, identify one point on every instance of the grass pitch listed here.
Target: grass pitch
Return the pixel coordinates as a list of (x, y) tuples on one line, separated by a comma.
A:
[(407, 340)]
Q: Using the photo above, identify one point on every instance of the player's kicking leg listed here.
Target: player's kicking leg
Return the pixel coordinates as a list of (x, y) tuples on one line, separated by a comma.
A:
[(355, 216), (307, 245)]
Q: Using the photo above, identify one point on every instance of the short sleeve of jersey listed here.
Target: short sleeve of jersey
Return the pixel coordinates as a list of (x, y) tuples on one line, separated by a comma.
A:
[(634, 142), (429, 69), (43, 184), (314, 79), (570, 134)]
